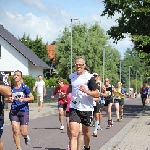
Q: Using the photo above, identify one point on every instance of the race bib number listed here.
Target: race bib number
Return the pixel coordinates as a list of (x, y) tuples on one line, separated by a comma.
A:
[(76, 102), (17, 95)]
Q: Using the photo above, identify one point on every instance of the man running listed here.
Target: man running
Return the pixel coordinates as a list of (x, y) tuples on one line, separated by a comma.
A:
[(144, 94), (40, 85), (5, 90), (83, 88), (97, 106), (62, 104)]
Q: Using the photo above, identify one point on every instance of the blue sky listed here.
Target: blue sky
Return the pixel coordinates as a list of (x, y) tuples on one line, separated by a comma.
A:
[(47, 18)]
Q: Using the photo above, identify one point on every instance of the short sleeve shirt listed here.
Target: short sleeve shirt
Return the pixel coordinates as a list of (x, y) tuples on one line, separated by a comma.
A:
[(80, 100), (23, 91), (40, 85), (58, 91)]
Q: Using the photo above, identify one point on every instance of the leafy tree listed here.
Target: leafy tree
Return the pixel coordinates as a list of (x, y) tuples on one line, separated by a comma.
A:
[(133, 19), (37, 46), (87, 41), (131, 59), (40, 49)]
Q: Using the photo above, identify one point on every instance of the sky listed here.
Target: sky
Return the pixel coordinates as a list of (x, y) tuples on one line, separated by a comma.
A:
[(47, 18)]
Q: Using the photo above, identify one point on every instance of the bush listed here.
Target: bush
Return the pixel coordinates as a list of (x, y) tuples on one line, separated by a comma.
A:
[(30, 81)]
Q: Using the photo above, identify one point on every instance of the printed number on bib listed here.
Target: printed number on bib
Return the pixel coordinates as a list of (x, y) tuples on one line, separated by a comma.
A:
[(76, 102)]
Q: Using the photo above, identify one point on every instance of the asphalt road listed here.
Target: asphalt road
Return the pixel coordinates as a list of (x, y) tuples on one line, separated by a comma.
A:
[(45, 134)]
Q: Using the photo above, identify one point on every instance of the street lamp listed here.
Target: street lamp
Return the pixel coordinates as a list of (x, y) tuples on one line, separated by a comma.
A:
[(136, 80), (141, 80), (129, 77), (120, 70), (71, 44), (104, 61)]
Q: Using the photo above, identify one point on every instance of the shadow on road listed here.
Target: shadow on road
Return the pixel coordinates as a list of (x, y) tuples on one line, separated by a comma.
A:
[(49, 148), (130, 110), (54, 149), (45, 128)]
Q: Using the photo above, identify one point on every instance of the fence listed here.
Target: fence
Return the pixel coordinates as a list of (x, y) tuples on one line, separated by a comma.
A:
[(49, 93)]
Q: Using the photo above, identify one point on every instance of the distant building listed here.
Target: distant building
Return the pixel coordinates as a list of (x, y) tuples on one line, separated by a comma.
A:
[(14, 55)]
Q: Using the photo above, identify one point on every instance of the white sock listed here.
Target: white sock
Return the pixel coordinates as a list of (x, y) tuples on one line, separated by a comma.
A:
[(96, 126)]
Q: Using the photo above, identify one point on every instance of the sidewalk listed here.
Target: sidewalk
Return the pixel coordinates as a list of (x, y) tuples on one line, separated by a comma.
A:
[(133, 136), (48, 108)]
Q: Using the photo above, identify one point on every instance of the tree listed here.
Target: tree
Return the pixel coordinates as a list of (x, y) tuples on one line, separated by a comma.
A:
[(133, 19), (131, 59), (87, 41), (39, 48)]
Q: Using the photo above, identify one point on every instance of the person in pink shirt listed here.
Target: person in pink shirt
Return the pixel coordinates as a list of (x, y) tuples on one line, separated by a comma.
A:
[(67, 118), (80, 136)]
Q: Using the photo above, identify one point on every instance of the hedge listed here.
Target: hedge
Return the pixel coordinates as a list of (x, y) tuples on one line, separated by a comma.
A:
[(30, 81)]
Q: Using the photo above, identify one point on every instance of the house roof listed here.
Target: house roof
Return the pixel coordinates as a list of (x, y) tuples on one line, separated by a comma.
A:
[(21, 48)]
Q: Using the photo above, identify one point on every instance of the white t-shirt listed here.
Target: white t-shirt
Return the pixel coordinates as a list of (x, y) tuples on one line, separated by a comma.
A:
[(80, 100), (40, 85)]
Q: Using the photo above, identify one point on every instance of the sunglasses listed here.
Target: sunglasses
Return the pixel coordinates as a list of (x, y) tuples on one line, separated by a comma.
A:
[(106, 81), (80, 65)]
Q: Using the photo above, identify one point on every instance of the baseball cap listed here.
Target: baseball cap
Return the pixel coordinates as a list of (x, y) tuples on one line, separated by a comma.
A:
[(95, 74)]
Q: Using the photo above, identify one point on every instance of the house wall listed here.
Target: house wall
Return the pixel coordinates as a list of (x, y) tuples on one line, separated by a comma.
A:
[(35, 71), (11, 59)]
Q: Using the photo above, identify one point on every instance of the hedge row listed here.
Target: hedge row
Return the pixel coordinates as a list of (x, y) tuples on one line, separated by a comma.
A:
[(30, 81)]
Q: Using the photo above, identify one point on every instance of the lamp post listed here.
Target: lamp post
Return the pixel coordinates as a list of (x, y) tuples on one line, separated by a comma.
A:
[(120, 70), (136, 80), (141, 80), (71, 44), (104, 61), (129, 77)]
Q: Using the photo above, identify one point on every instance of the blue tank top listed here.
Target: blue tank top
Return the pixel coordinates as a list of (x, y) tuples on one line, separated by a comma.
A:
[(16, 94), (144, 92)]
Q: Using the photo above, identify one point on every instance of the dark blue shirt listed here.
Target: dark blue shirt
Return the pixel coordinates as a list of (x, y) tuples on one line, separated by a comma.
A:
[(23, 91), (144, 92)]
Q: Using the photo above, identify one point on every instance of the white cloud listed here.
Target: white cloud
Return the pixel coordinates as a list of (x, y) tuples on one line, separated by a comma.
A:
[(34, 4), (46, 27), (49, 25)]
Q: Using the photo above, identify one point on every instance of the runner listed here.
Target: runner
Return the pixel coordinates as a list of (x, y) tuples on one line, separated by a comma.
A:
[(67, 119), (109, 101), (80, 136), (148, 94), (119, 100), (97, 106), (40, 85), (62, 104), (144, 94), (83, 87), (5, 90), (19, 113)]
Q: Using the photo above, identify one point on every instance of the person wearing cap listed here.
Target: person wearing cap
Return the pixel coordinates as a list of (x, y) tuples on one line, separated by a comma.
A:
[(97, 106)]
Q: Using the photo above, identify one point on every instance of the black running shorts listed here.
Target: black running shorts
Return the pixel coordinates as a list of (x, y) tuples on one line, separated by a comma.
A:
[(82, 117)]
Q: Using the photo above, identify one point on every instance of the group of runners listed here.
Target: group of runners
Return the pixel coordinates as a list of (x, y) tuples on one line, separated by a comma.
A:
[(82, 102)]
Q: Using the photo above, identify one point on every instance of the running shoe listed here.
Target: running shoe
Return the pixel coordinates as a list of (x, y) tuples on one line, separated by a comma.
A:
[(121, 117), (27, 140), (62, 127)]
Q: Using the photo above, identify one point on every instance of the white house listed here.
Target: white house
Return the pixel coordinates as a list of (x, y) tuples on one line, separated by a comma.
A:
[(14, 55)]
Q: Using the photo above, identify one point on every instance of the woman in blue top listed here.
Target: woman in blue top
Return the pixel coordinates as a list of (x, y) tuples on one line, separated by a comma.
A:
[(19, 113), (144, 94)]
